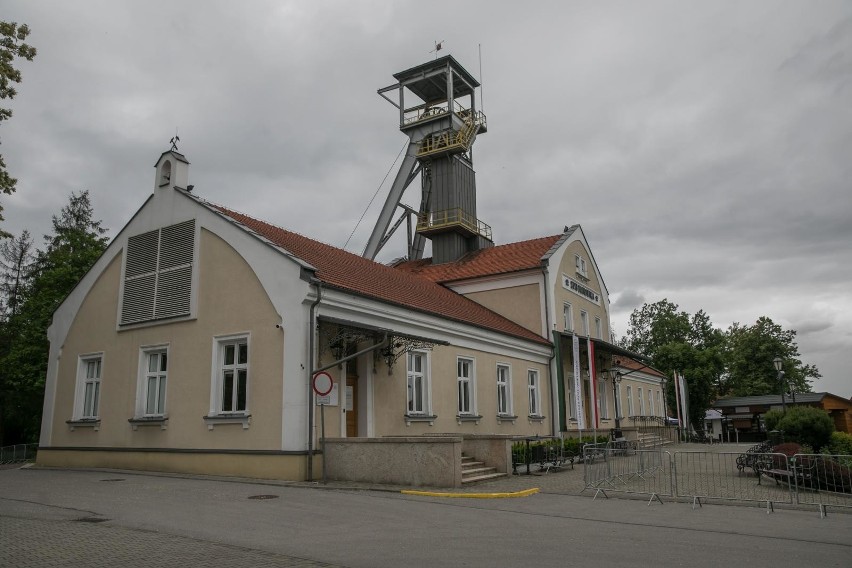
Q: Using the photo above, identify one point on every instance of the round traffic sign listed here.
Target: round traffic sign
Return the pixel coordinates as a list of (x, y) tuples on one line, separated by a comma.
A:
[(322, 383)]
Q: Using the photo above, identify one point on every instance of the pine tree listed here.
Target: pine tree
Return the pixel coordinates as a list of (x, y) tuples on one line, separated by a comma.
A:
[(76, 243)]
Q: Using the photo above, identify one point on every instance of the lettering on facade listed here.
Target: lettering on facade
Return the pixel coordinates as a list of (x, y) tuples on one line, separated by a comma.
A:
[(570, 284)]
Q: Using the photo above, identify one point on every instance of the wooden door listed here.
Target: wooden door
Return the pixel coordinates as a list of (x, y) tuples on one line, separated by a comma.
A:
[(351, 402)]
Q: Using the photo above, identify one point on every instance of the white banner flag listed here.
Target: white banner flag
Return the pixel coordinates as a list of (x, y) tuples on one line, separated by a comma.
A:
[(579, 414)]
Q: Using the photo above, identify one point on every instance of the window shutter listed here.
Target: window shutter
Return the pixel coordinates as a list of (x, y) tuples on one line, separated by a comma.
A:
[(158, 274)]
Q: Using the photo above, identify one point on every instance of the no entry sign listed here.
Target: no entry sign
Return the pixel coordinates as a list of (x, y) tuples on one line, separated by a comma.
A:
[(322, 383)]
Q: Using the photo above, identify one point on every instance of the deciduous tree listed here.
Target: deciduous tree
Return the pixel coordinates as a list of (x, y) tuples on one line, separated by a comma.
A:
[(12, 47)]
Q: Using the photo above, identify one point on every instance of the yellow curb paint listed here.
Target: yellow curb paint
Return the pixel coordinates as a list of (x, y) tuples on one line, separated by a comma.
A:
[(524, 493)]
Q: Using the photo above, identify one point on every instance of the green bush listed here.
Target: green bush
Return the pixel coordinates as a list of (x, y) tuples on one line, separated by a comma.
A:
[(771, 419), (840, 444), (807, 425)]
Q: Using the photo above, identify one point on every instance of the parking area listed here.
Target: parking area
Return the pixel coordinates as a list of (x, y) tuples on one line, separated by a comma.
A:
[(114, 518)]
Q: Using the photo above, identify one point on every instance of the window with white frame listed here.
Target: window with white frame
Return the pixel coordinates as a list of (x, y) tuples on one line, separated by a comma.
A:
[(619, 405), (629, 400), (650, 402), (504, 390), (568, 317), (580, 265), (641, 401), (584, 321), (602, 408), (534, 392), (660, 403), (153, 379), (466, 386), (598, 328), (418, 383), (89, 386), (232, 375)]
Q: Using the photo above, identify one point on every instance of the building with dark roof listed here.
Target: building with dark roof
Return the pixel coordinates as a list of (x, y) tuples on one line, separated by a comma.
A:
[(744, 413)]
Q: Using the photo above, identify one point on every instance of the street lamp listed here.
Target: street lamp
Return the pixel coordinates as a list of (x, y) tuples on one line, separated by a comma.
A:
[(778, 362), (616, 379)]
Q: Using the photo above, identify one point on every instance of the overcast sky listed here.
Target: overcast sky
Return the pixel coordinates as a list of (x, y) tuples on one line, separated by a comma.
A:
[(704, 147)]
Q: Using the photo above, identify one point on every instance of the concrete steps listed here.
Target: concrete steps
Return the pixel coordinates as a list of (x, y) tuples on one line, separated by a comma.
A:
[(474, 471)]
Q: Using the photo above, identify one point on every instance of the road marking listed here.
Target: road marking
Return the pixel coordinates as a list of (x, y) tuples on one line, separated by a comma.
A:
[(524, 493)]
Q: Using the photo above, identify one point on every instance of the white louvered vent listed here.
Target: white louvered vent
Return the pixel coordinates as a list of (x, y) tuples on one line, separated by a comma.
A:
[(174, 291), (176, 244), (141, 254), (158, 274)]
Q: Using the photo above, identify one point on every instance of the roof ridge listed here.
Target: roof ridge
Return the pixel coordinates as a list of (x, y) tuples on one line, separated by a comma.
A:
[(395, 286)]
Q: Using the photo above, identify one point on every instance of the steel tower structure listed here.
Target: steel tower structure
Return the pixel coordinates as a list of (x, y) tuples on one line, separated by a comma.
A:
[(442, 126)]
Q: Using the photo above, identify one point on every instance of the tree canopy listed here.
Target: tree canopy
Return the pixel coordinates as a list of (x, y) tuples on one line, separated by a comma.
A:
[(750, 352), (737, 362), (674, 340), (12, 47), (76, 242)]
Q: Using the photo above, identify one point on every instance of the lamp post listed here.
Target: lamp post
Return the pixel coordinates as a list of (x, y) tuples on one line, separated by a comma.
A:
[(778, 362), (616, 379)]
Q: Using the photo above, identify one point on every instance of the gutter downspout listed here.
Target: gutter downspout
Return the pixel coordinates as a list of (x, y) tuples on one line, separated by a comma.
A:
[(554, 421), (311, 359)]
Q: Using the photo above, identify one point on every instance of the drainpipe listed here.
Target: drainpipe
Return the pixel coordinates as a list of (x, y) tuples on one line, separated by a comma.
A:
[(311, 359), (554, 419)]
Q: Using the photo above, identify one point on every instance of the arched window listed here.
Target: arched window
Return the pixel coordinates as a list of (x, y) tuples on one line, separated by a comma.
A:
[(165, 173)]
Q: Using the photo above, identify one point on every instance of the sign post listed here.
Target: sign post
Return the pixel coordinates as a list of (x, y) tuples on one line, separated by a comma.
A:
[(322, 384)]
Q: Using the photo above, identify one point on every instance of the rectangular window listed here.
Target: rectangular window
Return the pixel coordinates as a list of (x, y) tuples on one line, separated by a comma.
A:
[(650, 402), (598, 328), (629, 401), (641, 401), (465, 385), (584, 321), (154, 376), (533, 391), (232, 375), (602, 407), (580, 265), (568, 317), (89, 385), (504, 390), (661, 404), (418, 383), (158, 274)]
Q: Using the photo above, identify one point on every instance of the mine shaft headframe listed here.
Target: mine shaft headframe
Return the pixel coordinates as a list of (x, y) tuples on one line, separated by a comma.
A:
[(437, 87)]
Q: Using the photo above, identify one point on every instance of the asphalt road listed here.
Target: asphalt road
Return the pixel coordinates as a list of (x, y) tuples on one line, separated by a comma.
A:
[(95, 518)]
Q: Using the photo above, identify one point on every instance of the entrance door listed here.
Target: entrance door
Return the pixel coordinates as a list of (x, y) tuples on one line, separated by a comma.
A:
[(351, 406)]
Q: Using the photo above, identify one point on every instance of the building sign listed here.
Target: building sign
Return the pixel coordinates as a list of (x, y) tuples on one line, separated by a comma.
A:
[(578, 387), (570, 284), (331, 399)]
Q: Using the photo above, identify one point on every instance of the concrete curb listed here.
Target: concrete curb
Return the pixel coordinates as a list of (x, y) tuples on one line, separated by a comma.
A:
[(524, 493)]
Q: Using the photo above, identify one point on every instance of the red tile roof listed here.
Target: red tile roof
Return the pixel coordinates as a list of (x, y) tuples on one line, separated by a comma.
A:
[(502, 259), (350, 272)]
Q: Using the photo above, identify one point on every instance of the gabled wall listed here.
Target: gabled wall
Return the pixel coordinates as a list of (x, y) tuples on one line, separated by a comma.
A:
[(231, 300)]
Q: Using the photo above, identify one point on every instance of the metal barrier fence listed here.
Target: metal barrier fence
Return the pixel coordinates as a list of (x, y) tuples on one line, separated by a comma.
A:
[(722, 475), (822, 480), (628, 470), (754, 475), (18, 453)]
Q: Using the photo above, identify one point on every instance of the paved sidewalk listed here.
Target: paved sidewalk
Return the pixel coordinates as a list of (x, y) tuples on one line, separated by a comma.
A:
[(40, 543)]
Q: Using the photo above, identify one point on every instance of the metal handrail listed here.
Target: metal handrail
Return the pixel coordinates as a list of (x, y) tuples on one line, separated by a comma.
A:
[(454, 139), (450, 218)]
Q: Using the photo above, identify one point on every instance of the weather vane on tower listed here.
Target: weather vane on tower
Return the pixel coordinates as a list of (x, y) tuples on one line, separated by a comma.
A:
[(175, 139)]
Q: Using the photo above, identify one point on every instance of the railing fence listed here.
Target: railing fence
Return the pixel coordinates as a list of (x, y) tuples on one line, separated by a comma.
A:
[(754, 476), (18, 453)]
